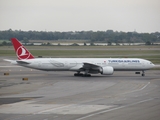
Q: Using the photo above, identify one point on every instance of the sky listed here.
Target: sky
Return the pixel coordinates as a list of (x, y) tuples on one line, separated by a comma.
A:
[(80, 15)]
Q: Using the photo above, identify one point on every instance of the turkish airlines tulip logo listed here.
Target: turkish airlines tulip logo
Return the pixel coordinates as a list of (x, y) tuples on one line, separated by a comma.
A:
[(22, 53)]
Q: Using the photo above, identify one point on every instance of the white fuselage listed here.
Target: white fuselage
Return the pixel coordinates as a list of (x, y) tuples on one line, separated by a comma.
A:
[(105, 66), (74, 64)]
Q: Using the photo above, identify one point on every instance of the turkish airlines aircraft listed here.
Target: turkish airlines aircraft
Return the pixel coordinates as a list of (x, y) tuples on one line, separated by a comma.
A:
[(82, 66)]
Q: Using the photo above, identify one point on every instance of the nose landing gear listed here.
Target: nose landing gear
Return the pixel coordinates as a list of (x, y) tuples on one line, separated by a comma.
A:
[(83, 75), (143, 73)]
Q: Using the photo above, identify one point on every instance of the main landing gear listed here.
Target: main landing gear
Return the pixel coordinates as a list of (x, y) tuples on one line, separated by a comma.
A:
[(82, 75), (78, 74)]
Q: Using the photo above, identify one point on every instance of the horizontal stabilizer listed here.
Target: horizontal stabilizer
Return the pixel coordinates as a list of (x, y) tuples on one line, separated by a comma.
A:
[(11, 61), (8, 60), (22, 62)]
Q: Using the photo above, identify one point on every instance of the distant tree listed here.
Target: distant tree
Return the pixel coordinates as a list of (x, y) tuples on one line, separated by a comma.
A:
[(102, 36), (110, 31), (117, 43), (48, 43), (74, 44), (85, 44), (59, 44), (25, 40), (4, 43), (148, 43), (92, 44), (109, 43)]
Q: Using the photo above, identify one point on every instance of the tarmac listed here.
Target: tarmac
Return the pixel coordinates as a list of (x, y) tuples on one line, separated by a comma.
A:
[(61, 96)]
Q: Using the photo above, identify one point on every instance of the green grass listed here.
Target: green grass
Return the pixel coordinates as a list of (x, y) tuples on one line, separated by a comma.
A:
[(93, 47), (90, 52), (59, 41), (5, 40)]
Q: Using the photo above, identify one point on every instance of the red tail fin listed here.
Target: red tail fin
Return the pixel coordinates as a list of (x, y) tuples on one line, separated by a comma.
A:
[(21, 51)]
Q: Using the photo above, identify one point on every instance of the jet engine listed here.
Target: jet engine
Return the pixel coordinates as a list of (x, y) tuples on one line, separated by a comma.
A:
[(106, 70)]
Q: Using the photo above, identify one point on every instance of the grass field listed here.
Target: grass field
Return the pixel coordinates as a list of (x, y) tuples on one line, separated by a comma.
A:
[(59, 41), (151, 53), (5, 40)]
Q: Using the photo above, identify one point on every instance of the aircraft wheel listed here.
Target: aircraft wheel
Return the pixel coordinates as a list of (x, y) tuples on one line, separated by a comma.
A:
[(87, 75), (76, 74), (143, 74)]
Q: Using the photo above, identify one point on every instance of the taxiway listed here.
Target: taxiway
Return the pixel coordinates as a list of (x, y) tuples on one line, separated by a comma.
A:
[(61, 96)]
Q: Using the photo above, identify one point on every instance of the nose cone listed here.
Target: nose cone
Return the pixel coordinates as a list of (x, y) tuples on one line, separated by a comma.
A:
[(152, 65), (149, 64)]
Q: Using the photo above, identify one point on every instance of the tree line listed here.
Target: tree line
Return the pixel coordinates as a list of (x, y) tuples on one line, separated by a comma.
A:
[(98, 36)]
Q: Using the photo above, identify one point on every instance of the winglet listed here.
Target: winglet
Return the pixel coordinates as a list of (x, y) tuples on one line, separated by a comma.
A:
[(21, 51)]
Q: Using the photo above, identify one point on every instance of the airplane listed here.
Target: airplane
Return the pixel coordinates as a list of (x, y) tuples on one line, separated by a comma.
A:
[(82, 66)]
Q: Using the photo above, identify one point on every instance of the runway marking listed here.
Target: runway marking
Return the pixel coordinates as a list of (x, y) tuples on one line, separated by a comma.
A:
[(105, 111), (52, 109), (114, 96), (137, 89), (32, 108), (75, 109)]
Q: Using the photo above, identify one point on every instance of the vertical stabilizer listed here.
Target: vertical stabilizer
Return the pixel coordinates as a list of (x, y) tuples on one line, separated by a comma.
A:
[(21, 51)]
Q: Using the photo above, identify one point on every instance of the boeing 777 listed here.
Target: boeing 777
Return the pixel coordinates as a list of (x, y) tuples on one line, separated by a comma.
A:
[(82, 66)]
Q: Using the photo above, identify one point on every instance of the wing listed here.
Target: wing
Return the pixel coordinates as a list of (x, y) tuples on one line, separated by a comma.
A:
[(91, 68), (90, 65)]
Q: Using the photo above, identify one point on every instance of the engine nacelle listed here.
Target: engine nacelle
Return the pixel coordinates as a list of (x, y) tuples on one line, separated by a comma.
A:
[(107, 70)]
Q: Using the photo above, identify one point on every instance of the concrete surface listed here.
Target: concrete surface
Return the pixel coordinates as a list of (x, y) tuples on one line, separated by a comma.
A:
[(61, 96)]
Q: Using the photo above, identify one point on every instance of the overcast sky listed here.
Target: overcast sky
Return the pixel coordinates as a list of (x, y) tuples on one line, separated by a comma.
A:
[(79, 15)]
